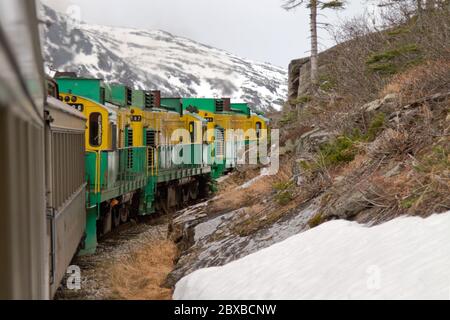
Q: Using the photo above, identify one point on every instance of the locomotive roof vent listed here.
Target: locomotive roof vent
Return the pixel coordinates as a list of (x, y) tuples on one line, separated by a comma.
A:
[(129, 96), (156, 99), (226, 104), (147, 99), (219, 106)]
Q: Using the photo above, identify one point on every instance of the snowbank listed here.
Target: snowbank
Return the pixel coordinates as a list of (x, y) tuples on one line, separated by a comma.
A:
[(407, 258)]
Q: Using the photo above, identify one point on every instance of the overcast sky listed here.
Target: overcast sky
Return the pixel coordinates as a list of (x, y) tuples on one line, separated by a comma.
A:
[(256, 29)]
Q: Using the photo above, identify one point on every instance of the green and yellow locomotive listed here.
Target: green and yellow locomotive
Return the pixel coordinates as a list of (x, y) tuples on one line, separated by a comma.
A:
[(147, 153)]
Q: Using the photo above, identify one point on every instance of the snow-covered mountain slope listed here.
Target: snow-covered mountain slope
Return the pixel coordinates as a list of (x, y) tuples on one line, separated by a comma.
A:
[(407, 258), (159, 60)]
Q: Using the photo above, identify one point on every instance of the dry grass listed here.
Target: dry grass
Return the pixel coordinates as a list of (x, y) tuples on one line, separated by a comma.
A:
[(140, 276), (257, 200), (237, 178), (230, 201), (430, 180), (426, 79), (360, 161), (331, 115), (233, 197)]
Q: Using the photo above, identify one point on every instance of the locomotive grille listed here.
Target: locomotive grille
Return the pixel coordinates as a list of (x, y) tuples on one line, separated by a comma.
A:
[(148, 100), (219, 106), (130, 151), (151, 142), (129, 96), (220, 142)]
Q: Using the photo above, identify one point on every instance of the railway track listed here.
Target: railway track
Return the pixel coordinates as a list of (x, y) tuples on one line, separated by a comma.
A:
[(120, 243), (123, 242)]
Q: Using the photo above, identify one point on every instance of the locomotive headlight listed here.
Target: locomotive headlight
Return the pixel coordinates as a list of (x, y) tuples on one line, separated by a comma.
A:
[(74, 99), (67, 99)]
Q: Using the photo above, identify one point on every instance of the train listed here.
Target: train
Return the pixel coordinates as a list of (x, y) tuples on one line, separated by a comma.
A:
[(86, 156)]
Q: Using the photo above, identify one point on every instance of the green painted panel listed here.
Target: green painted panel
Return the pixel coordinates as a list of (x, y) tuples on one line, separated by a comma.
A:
[(119, 95), (91, 174), (148, 200), (90, 243), (172, 104), (217, 170), (241, 108), (92, 89), (141, 99), (203, 104)]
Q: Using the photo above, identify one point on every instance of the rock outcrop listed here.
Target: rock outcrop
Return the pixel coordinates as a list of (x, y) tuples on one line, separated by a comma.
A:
[(299, 75), (298, 78)]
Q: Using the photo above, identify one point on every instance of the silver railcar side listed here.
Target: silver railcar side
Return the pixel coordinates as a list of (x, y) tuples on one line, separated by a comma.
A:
[(66, 187), (23, 259)]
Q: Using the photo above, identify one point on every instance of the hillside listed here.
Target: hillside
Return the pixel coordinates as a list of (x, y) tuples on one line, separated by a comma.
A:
[(372, 145), (158, 60)]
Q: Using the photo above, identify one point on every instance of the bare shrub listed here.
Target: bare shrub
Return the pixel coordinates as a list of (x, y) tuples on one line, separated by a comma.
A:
[(333, 116), (431, 180), (357, 39), (371, 49)]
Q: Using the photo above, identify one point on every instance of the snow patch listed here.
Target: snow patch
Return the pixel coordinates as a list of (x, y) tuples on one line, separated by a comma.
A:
[(407, 258)]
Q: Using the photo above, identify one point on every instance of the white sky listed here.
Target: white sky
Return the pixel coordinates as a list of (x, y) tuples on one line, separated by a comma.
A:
[(256, 29)]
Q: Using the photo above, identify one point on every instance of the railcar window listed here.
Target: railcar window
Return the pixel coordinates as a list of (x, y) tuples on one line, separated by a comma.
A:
[(95, 129)]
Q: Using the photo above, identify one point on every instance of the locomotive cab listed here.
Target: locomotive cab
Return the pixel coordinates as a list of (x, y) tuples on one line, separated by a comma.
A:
[(101, 123)]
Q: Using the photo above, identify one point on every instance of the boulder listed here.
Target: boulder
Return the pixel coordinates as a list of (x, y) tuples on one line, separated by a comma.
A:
[(347, 206), (388, 104), (310, 142)]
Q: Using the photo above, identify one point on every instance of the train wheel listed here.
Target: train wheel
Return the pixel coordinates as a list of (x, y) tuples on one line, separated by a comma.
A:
[(116, 217), (124, 214)]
